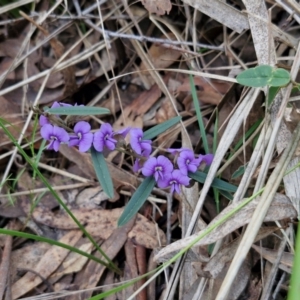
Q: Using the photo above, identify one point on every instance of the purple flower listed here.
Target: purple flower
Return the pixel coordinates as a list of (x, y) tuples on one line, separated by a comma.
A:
[(158, 167), (176, 151), (55, 135), (187, 162), (105, 137), (174, 179), (208, 158), (140, 146), (83, 138), (44, 120)]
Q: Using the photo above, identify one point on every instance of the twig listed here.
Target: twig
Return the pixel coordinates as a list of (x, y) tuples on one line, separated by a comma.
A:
[(151, 39)]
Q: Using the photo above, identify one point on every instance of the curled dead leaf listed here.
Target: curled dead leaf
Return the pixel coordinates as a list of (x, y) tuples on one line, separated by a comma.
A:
[(281, 208)]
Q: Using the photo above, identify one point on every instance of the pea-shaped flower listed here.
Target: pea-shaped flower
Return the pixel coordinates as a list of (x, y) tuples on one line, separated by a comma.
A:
[(174, 180), (157, 167), (105, 137), (55, 135), (138, 144), (83, 138)]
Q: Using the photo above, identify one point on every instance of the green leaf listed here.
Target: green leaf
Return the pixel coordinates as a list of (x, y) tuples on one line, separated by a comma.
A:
[(78, 111), (160, 128), (280, 77), (137, 200), (239, 172), (217, 183), (273, 90), (102, 172), (199, 115), (264, 75)]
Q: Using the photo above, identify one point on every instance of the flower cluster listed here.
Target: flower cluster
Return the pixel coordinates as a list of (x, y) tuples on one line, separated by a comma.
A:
[(81, 135), (165, 172)]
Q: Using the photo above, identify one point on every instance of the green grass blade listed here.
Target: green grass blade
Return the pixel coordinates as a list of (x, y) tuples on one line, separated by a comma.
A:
[(217, 183), (160, 128), (293, 293), (102, 172), (199, 115), (51, 242), (137, 200), (78, 111)]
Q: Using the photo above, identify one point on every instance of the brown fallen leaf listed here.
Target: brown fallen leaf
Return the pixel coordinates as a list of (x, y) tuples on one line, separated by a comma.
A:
[(286, 261), (281, 208), (46, 266), (157, 6), (93, 271), (101, 223), (209, 91)]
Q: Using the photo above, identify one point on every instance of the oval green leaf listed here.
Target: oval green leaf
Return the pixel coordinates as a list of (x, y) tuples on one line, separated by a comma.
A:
[(160, 128), (217, 183), (78, 111), (280, 77), (137, 200), (102, 172), (255, 77), (264, 75)]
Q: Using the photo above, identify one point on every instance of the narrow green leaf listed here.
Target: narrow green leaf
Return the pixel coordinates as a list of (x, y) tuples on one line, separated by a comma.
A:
[(51, 242), (102, 172), (239, 172), (217, 183), (273, 90), (199, 115), (226, 194), (160, 128), (78, 111), (137, 200)]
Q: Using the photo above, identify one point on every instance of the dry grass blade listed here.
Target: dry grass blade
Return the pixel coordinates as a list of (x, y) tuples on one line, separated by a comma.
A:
[(135, 59)]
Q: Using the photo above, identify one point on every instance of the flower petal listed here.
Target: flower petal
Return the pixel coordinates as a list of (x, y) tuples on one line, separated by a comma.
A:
[(98, 141), (82, 127), (61, 134), (149, 167), (47, 131), (208, 158), (86, 142)]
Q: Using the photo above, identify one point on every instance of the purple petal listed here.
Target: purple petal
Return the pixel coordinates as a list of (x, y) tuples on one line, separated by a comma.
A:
[(98, 141), (86, 142), (184, 180), (43, 120), (47, 131), (165, 163), (165, 182), (82, 127), (64, 104), (56, 145), (74, 141), (110, 143), (182, 165), (123, 132), (146, 149), (136, 135), (149, 165), (61, 134), (208, 158), (106, 129), (55, 105), (175, 151), (136, 166)]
